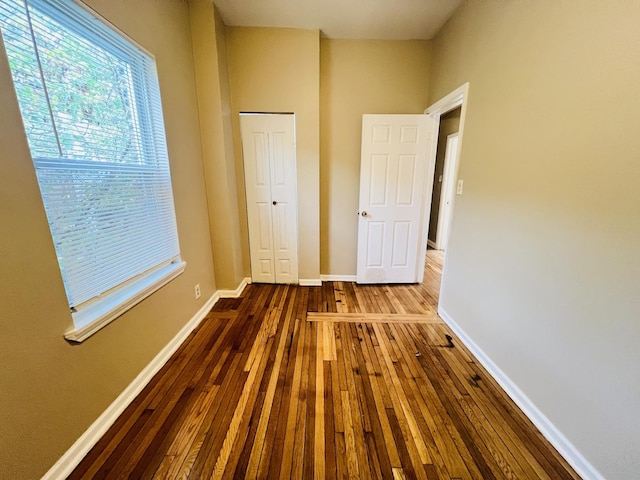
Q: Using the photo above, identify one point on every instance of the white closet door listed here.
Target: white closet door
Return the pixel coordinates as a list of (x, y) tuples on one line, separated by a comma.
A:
[(271, 188)]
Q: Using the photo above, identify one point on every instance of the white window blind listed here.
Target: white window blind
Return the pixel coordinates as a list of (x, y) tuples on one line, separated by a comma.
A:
[(91, 109)]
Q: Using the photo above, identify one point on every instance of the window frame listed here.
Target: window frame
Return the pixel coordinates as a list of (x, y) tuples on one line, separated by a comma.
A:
[(92, 315)]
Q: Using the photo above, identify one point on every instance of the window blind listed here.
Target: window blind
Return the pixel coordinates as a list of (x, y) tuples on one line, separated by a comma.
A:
[(91, 109)]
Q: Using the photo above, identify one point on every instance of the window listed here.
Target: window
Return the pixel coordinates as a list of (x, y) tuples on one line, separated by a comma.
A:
[(90, 104)]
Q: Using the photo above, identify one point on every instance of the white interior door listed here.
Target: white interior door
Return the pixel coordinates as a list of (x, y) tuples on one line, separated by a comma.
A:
[(446, 195), (393, 182), (269, 153)]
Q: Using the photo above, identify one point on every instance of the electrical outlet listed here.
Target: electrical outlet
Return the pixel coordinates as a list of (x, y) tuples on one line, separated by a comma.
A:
[(197, 290)]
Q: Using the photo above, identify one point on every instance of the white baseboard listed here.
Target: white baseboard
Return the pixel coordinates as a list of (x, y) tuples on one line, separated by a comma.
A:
[(432, 244), (310, 282), (338, 278), (72, 457), (568, 451), (237, 292)]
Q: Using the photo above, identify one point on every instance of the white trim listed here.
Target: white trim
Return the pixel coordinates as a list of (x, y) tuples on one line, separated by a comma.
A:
[(72, 457), (310, 282), (102, 312), (65, 465), (237, 292), (449, 101), (338, 278), (568, 451), (432, 244), (458, 98), (427, 194)]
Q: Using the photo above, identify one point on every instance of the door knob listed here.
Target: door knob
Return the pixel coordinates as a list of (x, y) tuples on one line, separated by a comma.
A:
[(275, 203), (364, 214)]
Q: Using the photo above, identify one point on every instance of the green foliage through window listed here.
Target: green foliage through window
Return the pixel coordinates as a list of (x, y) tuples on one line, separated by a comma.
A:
[(90, 105)]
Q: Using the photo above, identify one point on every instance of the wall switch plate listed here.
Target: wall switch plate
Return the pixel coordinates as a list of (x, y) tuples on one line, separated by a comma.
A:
[(459, 189), (196, 289)]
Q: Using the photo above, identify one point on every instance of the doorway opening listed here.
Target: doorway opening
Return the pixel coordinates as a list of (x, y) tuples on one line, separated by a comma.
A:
[(444, 179), (449, 115)]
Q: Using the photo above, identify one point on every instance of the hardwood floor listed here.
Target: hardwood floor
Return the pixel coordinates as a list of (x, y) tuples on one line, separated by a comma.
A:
[(324, 382)]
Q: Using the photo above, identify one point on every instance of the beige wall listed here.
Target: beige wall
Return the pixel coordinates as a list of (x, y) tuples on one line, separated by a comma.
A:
[(208, 35), (449, 124), (278, 70), (52, 391), (543, 267), (358, 77)]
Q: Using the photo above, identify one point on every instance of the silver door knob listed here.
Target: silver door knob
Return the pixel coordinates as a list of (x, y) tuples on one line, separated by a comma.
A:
[(364, 214)]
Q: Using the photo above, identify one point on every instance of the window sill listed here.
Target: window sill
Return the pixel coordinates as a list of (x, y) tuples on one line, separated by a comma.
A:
[(102, 312)]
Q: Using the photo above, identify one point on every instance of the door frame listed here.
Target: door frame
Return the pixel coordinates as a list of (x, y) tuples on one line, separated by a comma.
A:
[(456, 98), (446, 191)]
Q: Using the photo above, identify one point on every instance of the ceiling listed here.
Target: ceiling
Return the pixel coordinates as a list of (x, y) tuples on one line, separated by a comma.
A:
[(366, 19)]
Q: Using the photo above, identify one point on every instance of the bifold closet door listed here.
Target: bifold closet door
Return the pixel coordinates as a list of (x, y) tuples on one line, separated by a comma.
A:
[(269, 151)]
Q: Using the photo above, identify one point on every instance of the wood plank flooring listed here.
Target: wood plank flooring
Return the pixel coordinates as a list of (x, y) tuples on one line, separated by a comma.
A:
[(260, 391)]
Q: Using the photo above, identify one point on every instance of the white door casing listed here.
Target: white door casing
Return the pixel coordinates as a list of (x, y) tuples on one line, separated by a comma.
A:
[(457, 98), (446, 194), (393, 182), (269, 152)]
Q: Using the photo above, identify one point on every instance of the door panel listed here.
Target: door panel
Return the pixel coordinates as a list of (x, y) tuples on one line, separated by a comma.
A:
[(271, 189), (392, 184), (284, 194), (260, 159), (406, 176), (266, 268), (378, 180), (257, 175), (375, 242), (264, 227), (401, 242), (409, 134)]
